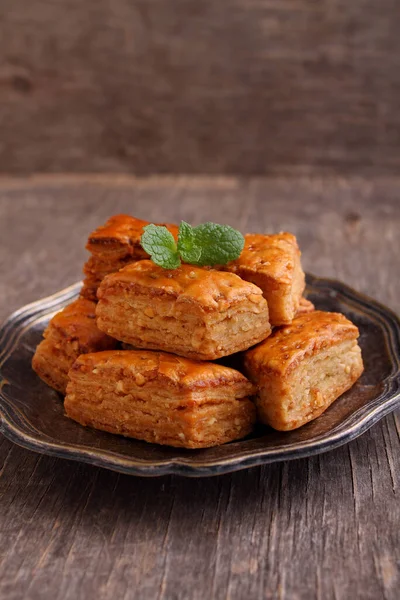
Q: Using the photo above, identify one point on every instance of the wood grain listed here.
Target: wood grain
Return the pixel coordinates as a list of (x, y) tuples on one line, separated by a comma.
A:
[(323, 528), (181, 86)]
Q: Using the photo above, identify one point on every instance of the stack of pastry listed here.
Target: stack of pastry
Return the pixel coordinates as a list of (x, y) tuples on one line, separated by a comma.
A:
[(112, 246), (161, 385)]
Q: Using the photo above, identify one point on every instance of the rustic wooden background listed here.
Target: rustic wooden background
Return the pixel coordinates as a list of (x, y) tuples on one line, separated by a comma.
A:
[(189, 86), (324, 528)]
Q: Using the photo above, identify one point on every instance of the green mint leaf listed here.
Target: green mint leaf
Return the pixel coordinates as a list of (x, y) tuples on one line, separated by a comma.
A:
[(205, 245), (218, 244), (157, 241), (187, 248)]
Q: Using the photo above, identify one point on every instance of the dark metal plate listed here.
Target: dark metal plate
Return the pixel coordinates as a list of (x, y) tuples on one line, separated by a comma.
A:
[(32, 414)]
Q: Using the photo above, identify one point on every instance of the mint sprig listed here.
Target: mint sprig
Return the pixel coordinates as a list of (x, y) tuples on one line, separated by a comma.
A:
[(160, 244), (209, 244), (188, 249)]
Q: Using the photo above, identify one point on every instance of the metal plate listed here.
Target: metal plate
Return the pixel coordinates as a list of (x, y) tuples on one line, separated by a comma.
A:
[(32, 414)]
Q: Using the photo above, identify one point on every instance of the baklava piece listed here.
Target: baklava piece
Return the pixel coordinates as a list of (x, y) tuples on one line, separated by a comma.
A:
[(113, 246), (160, 398), (303, 367), (190, 311), (305, 306), (71, 332), (272, 262)]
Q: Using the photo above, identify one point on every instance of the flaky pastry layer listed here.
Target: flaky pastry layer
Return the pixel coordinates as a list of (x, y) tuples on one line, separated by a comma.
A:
[(71, 332), (272, 262), (303, 367), (194, 312), (161, 398), (112, 246), (305, 306)]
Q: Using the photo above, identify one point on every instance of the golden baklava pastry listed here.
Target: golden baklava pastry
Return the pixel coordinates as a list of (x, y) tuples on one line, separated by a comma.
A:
[(113, 246), (190, 311), (71, 332), (303, 367), (160, 398), (272, 262), (305, 306)]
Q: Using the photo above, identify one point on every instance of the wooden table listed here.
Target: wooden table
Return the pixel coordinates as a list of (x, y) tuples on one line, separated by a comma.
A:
[(325, 527)]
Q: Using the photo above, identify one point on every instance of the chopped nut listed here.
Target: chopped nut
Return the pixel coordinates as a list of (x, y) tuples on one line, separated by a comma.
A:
[(120, 386), (347, 369), (192, 275), (318, 399), (149, 312), (181, 435), (140, 380), (95, 371), (255, 298)]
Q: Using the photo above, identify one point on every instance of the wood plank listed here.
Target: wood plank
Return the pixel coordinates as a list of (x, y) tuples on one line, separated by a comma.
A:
[(325, 527), (247, 87)]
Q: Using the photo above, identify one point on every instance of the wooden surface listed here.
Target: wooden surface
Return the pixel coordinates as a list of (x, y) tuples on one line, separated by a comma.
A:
[(323, 528), (182, 86)]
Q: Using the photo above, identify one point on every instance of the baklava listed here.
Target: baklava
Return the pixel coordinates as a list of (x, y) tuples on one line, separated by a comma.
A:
[(303, 367), (272, 262), (113, 246), (160, 398), (194, 312), (305, 306), (71, 332)]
